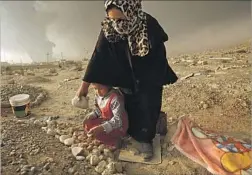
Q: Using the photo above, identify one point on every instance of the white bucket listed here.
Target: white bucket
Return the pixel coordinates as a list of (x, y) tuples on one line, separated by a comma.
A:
[(20, 104)]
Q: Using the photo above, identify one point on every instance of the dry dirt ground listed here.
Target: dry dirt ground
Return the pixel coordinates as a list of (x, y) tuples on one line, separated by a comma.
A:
[(214, 90)]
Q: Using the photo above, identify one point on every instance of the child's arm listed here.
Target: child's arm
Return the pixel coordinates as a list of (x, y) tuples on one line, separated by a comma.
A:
[(94, 114), (118, 110)]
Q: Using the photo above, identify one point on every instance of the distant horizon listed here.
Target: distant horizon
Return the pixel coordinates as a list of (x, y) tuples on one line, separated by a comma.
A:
[(31, 29)]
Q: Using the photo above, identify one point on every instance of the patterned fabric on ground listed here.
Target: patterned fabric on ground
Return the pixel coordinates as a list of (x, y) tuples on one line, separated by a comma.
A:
[(219, 154)]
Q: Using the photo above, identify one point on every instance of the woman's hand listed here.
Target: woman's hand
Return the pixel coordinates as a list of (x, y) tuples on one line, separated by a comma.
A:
[(95, 131), (83, 89)]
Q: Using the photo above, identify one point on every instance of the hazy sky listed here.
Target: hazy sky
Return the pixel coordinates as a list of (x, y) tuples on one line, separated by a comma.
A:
[(31, 29)]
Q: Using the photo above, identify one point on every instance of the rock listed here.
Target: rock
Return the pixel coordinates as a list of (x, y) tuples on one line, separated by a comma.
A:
[(111, 167), (11, 81), (78, 133), (170, 148), (24, 173), (88, 157), (202, 62), (94, 160), (96, 152), (80, 158), (26, 167), (96, 143), (44, 129), (118, 167), (36, 151), (33, 170), (51, 124), (69, 141), (71, 170), (109, 160), (101, 157), (107, 153), (51, 132), (90, 147), (205, 106), (46, 166), (77, 151), (62, 138), (188, 76), (101, 147), (12, 153), (171, 162), (101, 166), (39, 123), (81, 137), (107, 172), (83, 145)]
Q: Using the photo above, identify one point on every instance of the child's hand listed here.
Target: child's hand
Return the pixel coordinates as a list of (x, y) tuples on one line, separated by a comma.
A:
[(96, 131)]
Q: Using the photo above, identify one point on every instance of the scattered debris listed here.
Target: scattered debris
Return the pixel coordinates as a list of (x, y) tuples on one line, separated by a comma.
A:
[(188, 76)]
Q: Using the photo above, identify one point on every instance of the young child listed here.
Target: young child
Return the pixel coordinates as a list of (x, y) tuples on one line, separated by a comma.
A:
[(108, 122)]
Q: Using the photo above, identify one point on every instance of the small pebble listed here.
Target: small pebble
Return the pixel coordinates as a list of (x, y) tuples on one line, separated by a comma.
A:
[(33, 169), (46, 166), (77, 151), (71, 170), (51, 132), (101, 166), (69, 141), (111, 167), (107, 153), (89, 148), (94, 160), (62, 138), (101, 147), (118, 167), (80, 158), (96, 152)]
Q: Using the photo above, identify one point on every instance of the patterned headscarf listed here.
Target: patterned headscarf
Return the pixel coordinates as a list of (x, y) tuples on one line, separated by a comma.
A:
[(133, 28)]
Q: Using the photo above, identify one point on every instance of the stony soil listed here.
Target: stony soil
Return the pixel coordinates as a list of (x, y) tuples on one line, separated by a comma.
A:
[(213, 92)]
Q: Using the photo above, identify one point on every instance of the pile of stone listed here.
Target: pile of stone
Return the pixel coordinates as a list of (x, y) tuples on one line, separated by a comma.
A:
[(83, 148), (37, 94)]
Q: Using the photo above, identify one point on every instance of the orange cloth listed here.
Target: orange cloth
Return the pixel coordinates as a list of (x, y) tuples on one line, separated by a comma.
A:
[(222, 155)]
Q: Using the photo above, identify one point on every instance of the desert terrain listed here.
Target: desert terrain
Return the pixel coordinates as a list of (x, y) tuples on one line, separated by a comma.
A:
[(214, 90)]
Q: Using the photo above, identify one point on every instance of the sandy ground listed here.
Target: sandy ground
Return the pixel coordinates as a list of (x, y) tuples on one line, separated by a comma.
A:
[(216, 95)]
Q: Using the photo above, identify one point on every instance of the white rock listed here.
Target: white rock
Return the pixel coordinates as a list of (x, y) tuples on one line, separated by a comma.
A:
[(88, 156), (111, 167), (62, 138), (71, 170), (32, 170), (101, 157), (107, 153), (51, 124), (107, 172), (77, 151), (101, 166), (118, 167), (39, 123), (94, 160), (44, 128), (101, 147), (69, 141), (80, 158), (96, 152), (50, 132)]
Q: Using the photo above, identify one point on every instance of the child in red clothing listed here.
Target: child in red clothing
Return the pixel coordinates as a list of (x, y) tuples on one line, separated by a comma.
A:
[(108, 122)]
